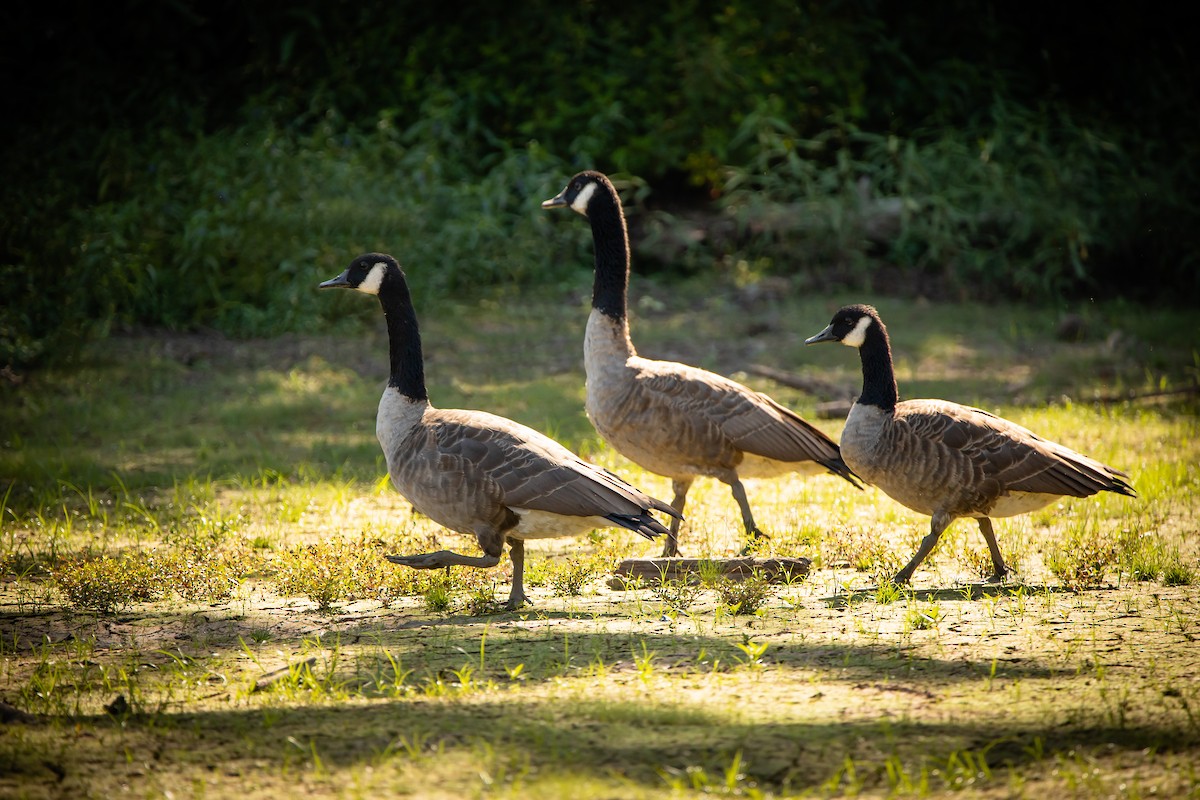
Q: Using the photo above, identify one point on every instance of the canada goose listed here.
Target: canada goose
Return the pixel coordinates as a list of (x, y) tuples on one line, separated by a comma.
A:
[(672, 419), (949, 460), (475, 472)]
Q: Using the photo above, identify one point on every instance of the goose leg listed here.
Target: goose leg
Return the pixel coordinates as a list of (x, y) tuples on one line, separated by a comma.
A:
[(490, 541), (517, 598), (989, 536), (681, 486), (937, 525), (753, 534)]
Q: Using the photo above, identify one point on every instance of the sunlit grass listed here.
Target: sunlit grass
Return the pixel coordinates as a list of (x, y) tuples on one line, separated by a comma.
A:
[(206, 539)]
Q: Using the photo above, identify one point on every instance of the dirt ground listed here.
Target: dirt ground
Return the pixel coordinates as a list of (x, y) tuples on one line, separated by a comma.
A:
[(1040, 680)]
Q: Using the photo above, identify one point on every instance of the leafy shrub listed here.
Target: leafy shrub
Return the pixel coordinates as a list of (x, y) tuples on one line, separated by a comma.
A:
[(235, 231), (106, 585), (217, 191), (202, 577), (745, 596), (1019, 204), (439, 592), (1083, 557), (568, 577), (337, 570), (677, 595)]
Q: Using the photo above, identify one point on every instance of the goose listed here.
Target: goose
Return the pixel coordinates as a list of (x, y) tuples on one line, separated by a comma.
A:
[(475, 472), (673, 419), (948, 460)]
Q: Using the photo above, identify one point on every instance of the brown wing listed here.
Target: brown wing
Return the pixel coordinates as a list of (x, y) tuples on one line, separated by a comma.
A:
[(522, 468), (750, 421), (999, 451)]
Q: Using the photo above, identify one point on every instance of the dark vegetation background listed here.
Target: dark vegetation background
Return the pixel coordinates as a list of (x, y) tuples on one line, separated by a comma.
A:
[(201, 164)]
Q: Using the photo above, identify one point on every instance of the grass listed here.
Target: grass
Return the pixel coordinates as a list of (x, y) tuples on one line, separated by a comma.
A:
[(196, 526)]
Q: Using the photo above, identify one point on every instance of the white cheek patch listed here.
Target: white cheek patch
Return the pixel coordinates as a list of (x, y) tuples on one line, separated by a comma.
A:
[(580, 203), (374, 279), (858, 334)]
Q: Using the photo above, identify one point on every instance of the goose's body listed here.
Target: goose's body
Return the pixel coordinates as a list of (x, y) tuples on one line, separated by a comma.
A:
[(673, 419), (479, 473), (464, 468), (681, 422), (949, 460)]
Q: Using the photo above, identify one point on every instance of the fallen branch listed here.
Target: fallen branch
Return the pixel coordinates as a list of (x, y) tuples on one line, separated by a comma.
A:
[(814, 386), (633, 573), (275, 675), (1149, 395)]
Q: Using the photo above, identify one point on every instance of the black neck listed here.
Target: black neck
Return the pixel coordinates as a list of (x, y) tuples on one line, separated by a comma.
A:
[(404, 339), (610, 240), (879, 379)]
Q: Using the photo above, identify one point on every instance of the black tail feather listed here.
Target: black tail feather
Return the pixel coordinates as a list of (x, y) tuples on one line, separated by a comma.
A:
[(642, 524), (838, 467)]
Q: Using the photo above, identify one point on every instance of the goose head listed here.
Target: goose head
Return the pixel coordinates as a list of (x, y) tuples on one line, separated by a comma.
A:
[(579, 192), (365, 274), (849, 326)]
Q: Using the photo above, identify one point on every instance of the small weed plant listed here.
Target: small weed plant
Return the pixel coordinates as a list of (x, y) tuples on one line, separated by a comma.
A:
[(341, 569), (922, 617), (567, 578), (1148, 558), (1083, 557), (481, 599), (748, 595), (439, 593), (677, 595), (106, 585)]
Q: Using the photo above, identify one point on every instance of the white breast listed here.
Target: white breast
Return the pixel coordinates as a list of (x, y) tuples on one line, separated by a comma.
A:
[(860, 435), (606, 344), (397, 417)]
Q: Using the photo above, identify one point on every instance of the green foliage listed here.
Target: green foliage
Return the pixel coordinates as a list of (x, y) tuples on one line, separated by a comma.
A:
[(439, 593), (442, 591), (1025, 203), (1149, 558), (568, 577), (695, 780), (1178, 573), (236, 231), (481, 599), (1084, 556), (922, 616), (746, 596), (106, 585), (863, 550), (886, 591), (916, 152), (677, 595), (341, 569), (198, 576)]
